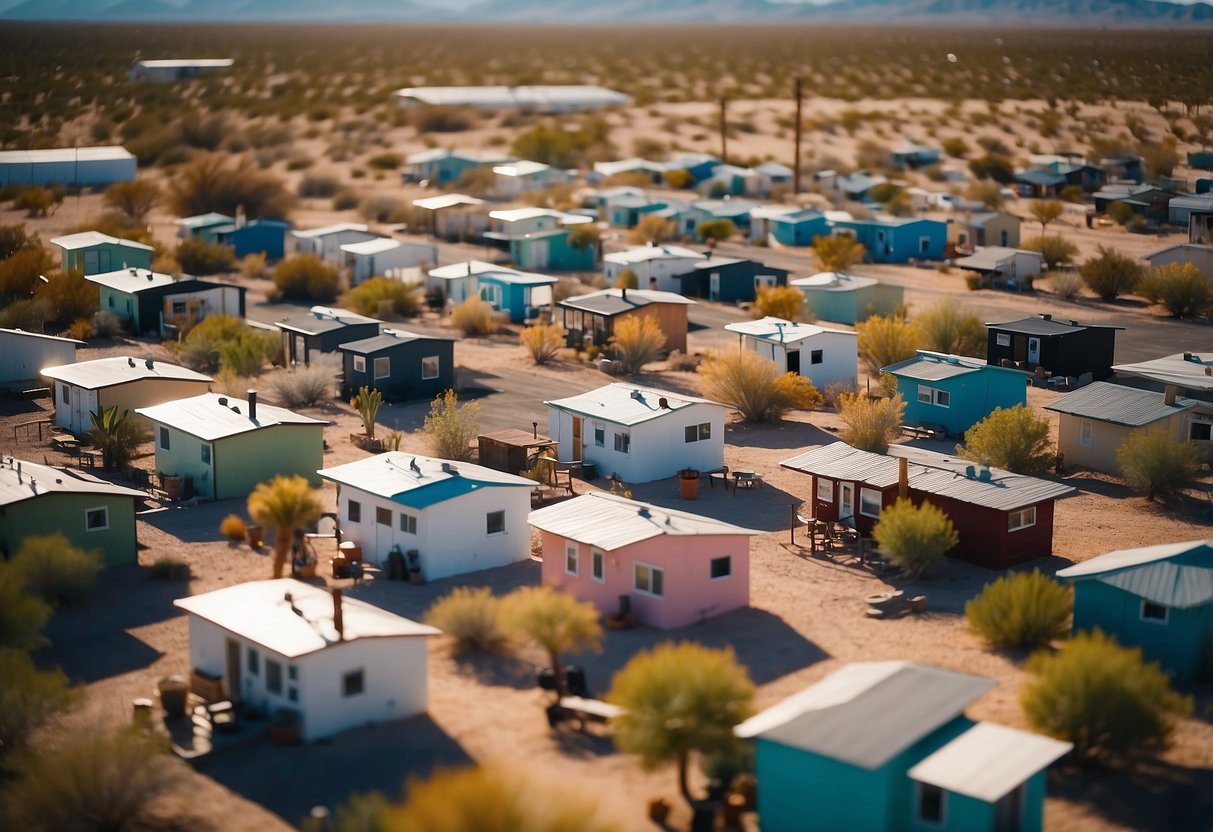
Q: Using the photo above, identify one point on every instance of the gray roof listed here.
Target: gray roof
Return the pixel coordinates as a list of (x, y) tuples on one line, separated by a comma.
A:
[(627, 404), (612, 302), (980, 220), (1038, 325), (868, 712), (211, 416), (384, 340), (37, 480), (110, 372), (1119, 405), (1183, 369), (987, 258), (1040, 177), (324, 319), (1172, 574), (611, 522), (988, 761), (929, 473)]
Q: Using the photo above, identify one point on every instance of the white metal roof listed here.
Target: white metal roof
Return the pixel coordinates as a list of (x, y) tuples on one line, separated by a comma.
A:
[(437, 203), (1172, 574), (467, 268), (109, 372), (601, 300), (1183, 369), (64, 154), (833, 282), (131, 281), (936, 366), (211, 416), (376, 245), (541, 97), (84, 239), (186, 63), (627, 165), (988, 761), (611, 522), (782, 331), (37, 480), (627, 404), (293, 618), (22, 333), (400, 476), (523, 168), (326, 230), (520, 214), (867, 713), (989, 258), (1119, 405), (641, 254), (434, 154)]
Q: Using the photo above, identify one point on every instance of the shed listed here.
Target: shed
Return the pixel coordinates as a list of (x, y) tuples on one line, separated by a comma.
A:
[(326, 242), (954, 391), (1039, 183), (171, 70), (989, 228), (454, 217), (322, 330), (385, 257), (698, 165), (1181, 208), (655, 171), (95, 253), (859, 185), (23, 354), (910, 154), (458, 281), (1010, 267), (787, 225), (676, 568), (848, 298), (202, 225), (260, 236), (69, 166), (448, 518), (1064, 348), (337, 662), (519, 294), (730, 279), (824, 356), (541, 98), (595, 315), (400, 364), (638, 434), (1158, 598), (440, 166), (655, 266), (513, 179), (147, 301), (510, 450), (122, 382)]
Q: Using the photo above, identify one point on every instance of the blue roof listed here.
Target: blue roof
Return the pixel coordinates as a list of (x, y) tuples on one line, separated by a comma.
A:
[(1040, 177)]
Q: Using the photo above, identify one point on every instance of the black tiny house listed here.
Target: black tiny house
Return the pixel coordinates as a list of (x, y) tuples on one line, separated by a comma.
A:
[(729, 280), (323, 330), (1064, 348), (401, 364)]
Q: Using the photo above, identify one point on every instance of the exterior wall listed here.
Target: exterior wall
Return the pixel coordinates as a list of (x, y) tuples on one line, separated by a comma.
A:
[(23, 357), (666, 270), (56, 512), (973, 396), (201, 303), (461, 222), (1106, 438), (297, 352), (329, 246), (106, 257), (1072, 354), (366, 266), (122, 304), (1176, 644), (512, 298), (839, 357), (405, 380), (671, 317), (832, 509), (804, 792), (1202, 258), (735, 281), (1002, 230), (238, 463), (899, 243), (853, 306), (83, 172), (452, 536), (72, 407), (690, 592), (799, 232), (552, 253), (984, 534), (266, 238), (142, 394)]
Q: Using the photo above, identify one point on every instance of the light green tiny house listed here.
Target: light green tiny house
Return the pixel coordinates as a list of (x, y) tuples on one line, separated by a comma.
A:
[(92, 252)]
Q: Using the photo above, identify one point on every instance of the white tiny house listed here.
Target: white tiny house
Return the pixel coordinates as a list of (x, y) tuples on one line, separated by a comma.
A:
[(822, 355)]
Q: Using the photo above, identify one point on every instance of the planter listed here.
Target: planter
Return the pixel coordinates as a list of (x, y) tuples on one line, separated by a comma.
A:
[(366, 443), (659, 810), (688, 487)]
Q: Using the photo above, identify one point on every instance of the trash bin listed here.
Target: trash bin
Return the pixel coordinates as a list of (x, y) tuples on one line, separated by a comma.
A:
[(172, 691), (589, 471)]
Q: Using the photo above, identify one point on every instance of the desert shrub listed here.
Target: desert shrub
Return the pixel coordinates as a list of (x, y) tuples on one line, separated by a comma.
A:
[(214, 182), (55, 570), (252, 267), (307, 277), (627, 279), (383, 298), (345, 200), (1180, 287), (439, 119), (543, 342), (247, 353), (993, 166), (1054, 250), (473, 317), (106, 324), (721, 229), (1103, 698), (450, 427), (22, 614), (200, 349), (585, 235), (305, 385), (1110, 274), (955, 147), (1022, 610), (1045, 211), (202, 131), (319, 186), (835, 390), (81, 330), (1156, 464), (134, 200), (170, 568), (472, 617), (871, 424), (29, 699), (678, 179), (19, 272), (385, 161), (1013, 438), (38, 202), (636, 342), (198, 257), (14, 238), (379, 208), (567, 287), (786, 302), (914, 537), (754, 386), (837, 252), (885, 340), (233, 527), (70, 297), (680, 362), (986, 192), (945, 328), (1067, 285), (653, 229)]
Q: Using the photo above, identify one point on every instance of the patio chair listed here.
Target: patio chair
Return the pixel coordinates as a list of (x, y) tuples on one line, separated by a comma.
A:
[(721, 473)]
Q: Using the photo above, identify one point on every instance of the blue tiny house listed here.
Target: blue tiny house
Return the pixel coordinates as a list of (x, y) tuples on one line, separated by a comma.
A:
[(800, 228), (518, 294), (551, 250), (897, 240), (954, 391), (266, 237)]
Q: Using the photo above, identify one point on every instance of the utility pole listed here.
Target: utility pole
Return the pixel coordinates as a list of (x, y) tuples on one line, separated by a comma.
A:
[(799, 127), (724, 130)]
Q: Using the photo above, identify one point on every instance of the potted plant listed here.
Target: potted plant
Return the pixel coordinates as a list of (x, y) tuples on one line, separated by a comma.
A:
[(688, 483)]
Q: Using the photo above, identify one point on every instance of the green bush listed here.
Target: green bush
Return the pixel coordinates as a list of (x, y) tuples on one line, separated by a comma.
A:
[(450, 427), (307, 277), (871, 424), (543, 341), (54, 570), (472, 617), (1022, 610), (754, 385), (1013, 438), (320, 186), (216, 182), (249, 352), (915, 538), (1180, 287), (886, 340), (29, 698), (198, 257), (385, 161), (945, 328), (1111, 274), (722, 229), (383, 298), (1103, 698), (439, 119), (1156, 464), (170, 568)]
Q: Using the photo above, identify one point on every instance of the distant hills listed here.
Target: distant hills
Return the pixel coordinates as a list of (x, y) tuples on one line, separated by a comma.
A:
[(1040, 13)]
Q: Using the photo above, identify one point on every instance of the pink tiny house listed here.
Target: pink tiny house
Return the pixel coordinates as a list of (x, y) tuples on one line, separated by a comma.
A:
[(676, 568)]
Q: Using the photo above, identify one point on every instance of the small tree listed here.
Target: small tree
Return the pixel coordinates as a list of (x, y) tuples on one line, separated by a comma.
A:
[(837, 252), (1013, 438), (473, 317), (680, 700), (786, 302), (1110, 274), (754, 386), (134, 200), (627, 279), (914, 537), (285, 504), (472, 617), (1103, 698), (637, 341), (248, 351), (719, 229), (383, 298), (1054, 250), (988, 193), (871, 424), (585, 235), (1022, 610), (1180, 287), (451, 427), (55, 570), (653, 229), (29, 698), (116, 435), (555, 621), (307, 277), (1045, 211), (543, 341), (945, 328), (367, 403), (885, 340), (1156, 464), (22, 615)]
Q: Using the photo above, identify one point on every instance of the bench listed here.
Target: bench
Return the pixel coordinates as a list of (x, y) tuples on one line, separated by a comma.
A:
[(585, 710)]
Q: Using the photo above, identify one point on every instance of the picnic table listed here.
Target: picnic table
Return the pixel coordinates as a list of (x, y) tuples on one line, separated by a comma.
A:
[(65, 442)]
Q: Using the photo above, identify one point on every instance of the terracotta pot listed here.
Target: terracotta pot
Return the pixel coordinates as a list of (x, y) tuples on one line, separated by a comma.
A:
[(688, 487)]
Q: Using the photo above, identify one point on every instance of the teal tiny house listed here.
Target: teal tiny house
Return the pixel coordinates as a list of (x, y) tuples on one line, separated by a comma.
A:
[(1158, 598), (92, 252), (954, 391), (847, 298)]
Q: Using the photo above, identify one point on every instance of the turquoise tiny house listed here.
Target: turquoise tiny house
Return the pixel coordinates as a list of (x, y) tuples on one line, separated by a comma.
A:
[(955, 391), (897, 239), (92, 252)]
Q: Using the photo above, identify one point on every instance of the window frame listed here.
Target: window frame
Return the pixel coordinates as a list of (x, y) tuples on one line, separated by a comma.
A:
[(870, 493), (105, 513), (359, 363), (826, 495), (164, 441), (65, 392), (205, 453), (1002, 339), (1200, 423), (648, 588), (934, 396), (353, 511), (488, 523), (387, 365), (599, 436), (408, 523), (1154, 619), (817, 356), (938, 822), (1086, 433), (597, 565), (1022, 515), (572, 558), (727, 560), (273, 677), (623, 442), (426, 374), (352, 676), (380, 514), (252, 661)]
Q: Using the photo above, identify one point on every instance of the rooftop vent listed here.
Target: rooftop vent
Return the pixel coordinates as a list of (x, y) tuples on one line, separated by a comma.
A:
[(130, 362), (1190, 357), (1046, 317), (636, 394), (663, 403), (985, 474), (223, 400), (970, 471), (448, 468), (644, 512)]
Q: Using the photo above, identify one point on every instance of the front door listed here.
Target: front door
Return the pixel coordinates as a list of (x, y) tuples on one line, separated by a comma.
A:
[(1033, 350), (793, 361), (80, 418), (577, 439), (846, 501), (714, 286), (233, 670)]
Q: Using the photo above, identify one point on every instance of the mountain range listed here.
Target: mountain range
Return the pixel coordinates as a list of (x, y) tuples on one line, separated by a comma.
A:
[(1041, 13)]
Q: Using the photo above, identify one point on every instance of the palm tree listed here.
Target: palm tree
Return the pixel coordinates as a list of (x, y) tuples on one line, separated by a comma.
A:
[(115, 434), (287, 504), (555, 621)]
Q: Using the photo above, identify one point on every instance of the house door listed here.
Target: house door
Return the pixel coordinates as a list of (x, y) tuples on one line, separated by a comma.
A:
[(1033, 350), (90, 263), (233, 669), (846, 501), (576, 439), (1008, 812), (714, 286), (80, 419), (793, 361)]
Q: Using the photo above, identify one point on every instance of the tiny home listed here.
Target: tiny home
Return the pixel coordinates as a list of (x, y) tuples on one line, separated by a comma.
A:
[(1200, 256), (653, 171), (1142, 200), (170, 70), (447, 518), (90, 512), (95, 253), (261, 236), (676, 568), (75, 166), (1189, 372), (736, 211), (322, 330), (989, 228), (439, 166), (1012, 268), (228, 445), (897, 239), (453, 217), (122, 382), (457, 282), (539, 98), (848, 298), (887, 746), (824, 356), (731, 180), (698, 165), (655, 266), (513, 179), (638, 434), (147, 301), (538, 238), (1181, 208), (339, 663), (909, 154), (1158, 598), (520, 295), (729, 279), (1063, 348), (858, 186), (326, 242), (1037, 183), (955, 392), (594, 316), (400, 364), (23, 355), (385, 257)]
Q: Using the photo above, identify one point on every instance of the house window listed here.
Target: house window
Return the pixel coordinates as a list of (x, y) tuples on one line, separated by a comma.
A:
[(292, 694), (97, 519), (933, 395), (429, 367), (495, 522), (408, 523), (383, 367), (825, 490), (292, 673), (1003, 339), (623, 442), (111, 301), (1021, 519), (164, 443), (273, 676), (1086, 433), (353, 511), (383, 516), (816, 356), (599, 436), (924, 245), (1200, 431), (930, 804), (65, 394), (648, 579), (695, 433), (353, 683), (1153, 612), (206, 454), (570, 558), (178, 307), (253, 661), (721, 567), (359, 363), (597, 564), (869, 502)]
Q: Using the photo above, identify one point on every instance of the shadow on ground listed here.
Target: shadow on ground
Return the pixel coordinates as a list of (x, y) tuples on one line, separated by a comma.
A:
[(1152, 797)]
